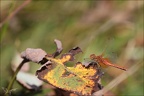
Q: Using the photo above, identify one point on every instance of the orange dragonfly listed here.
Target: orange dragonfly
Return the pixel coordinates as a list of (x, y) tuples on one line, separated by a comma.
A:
[(104, 62)]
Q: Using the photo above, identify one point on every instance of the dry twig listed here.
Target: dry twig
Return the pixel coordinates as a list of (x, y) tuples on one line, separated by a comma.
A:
[(15, 12)]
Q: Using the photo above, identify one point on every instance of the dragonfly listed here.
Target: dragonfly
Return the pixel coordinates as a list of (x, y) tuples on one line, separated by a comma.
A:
[(104, 62)]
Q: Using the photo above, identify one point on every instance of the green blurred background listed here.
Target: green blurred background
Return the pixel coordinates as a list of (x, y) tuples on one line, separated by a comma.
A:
[(115, 26)]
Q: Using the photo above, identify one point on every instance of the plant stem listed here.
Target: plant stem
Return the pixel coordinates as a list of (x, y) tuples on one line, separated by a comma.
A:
[(14, 77)]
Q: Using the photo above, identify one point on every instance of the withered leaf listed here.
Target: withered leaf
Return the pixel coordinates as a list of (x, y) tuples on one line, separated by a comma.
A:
[(34, 55), (66, 57), (28, 80), (59, 48), (75, 51), (78, 79), (88, 63), (70, 55)]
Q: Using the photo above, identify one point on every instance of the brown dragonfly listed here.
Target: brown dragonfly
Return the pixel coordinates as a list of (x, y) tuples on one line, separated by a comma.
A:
[(104, 62)]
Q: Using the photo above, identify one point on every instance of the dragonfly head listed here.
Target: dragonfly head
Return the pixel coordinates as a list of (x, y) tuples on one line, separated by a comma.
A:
[(92, 56)]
